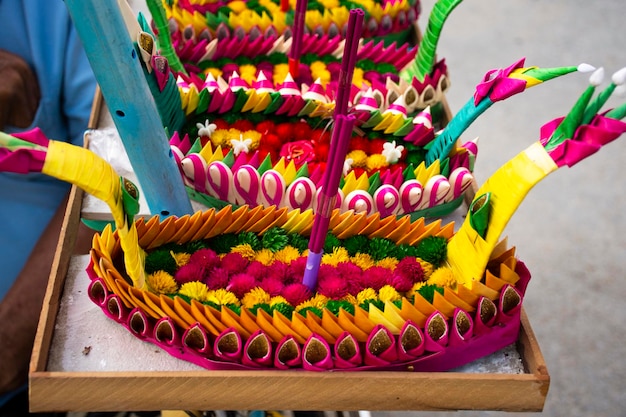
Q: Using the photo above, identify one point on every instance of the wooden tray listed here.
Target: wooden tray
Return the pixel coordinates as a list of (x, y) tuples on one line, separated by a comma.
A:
[(61, 390)]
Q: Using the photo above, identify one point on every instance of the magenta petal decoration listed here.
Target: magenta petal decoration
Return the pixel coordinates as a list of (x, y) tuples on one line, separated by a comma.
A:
[(462, 328), (247, 182), (219, 179), (165, 333), (497, 85), (436, 332), (411, 341), (387, 200), (485, 318), (114, 308), (196, 340), (380, 348), (228, 346), (257, 351), (139, 324), (97, 291), (347, 352), (316, 354), (510, 305), (288, 353)]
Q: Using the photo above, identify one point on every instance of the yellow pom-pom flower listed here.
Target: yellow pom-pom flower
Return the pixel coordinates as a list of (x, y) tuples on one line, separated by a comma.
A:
[(245, 250), (222, 297), (339, 255), (363, 261), (194, 289), (359, 158), (388, 293), (443, 277), (220, 137), (265, 256), (427, 267), (287, 255), (388, 263), (161, 282), (181, 258), (317, 301), (366, 294), (279, 299), (376, 161), (255, 296)]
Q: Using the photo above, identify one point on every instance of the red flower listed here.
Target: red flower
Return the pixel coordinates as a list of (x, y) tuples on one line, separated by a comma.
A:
[(217, 278), (271, 285), (296, 293), (301, 131), (220, 123), (376, 146), (359, 143), (241, 284), (299, 152), (234, 263), (284, 131), (320, 136), (188, 273), (271, 141), (206, 258), (243, 125), (410, 269), (265, 127), (321, 151)]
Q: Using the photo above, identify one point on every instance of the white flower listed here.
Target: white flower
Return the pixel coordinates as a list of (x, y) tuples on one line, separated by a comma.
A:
[(347, 166), (241, 145), (206, 129), (392, 152)]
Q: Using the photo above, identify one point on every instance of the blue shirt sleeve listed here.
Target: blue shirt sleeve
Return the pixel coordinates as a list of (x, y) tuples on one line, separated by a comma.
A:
[(43, 34)]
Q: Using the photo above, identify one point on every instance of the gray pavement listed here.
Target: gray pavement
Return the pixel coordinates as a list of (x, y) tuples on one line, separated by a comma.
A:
[(570, 230)]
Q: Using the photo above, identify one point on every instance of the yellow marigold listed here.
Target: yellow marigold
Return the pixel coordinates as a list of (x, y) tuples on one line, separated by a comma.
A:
[(234, 134), (280, 72), (255, 136), (318, 301), (427, 267), (388, 263), (247, 73), (245, 250), (388, 293), (181, 258), (194, 289), (339, 255), (357, 77), (265, 256), (215, 72), (255, 296), (287, 255), (278, 300), (376, 161), (363, 261), (416, 287), (222, 297), (221, 138), (443, 277), (319, 70), (366, 294), (359, 158), (161, 282)]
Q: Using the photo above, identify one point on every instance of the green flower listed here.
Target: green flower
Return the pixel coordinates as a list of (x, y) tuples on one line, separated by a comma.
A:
[(275, 239), (161, 260), (433, 249), (251, 239), (380, 248), (335, 305)]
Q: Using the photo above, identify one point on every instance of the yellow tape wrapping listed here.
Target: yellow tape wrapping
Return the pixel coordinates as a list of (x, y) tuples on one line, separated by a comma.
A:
[(468, 253), (95, 176)]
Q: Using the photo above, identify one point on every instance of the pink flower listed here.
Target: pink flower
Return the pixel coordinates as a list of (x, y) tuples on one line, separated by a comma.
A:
[(241, 284), (188, 273), (234, 263), (497, 85), (296, 293), (205, 258), (217, 278), (410, 269), (331, 285)]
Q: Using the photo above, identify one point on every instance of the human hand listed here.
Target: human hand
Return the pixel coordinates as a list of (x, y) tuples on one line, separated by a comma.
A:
[(19, 91)]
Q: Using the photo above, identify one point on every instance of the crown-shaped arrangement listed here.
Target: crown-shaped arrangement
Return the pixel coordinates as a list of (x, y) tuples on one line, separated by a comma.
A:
[(227, 288), (246, 132)]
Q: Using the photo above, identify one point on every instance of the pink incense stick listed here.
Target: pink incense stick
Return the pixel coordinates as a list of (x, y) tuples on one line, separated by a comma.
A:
[(353, 35), (296, 37), (340, 140)]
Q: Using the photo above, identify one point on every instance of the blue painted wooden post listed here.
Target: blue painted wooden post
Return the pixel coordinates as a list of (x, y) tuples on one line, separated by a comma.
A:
[(114, 61)]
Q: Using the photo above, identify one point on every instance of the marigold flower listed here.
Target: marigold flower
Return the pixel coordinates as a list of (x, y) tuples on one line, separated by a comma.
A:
[(194, 289), (161, 282)]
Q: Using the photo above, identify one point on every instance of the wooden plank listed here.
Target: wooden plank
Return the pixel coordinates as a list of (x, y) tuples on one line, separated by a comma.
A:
[(115, 63)]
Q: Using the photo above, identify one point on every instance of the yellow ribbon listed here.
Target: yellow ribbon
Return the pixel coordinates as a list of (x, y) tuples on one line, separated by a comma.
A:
[(95, 176), (468, 253)]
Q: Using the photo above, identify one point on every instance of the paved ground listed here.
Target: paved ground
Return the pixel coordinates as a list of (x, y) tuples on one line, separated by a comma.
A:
[(570, 229)]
